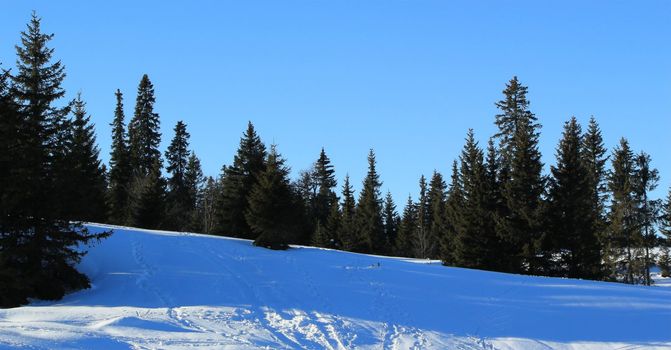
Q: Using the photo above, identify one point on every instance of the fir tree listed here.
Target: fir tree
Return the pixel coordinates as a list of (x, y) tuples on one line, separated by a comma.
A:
[(143, 131), (391, 222), (271, 213), (36, 243), (454, 217), (496, 208), (514, 108), (180, 198), (476, 242), (423, 242), (193, 181), (120, 171), (403, 245), (571, 232), (148, 210), (347, 233), (85, 176), (437, 198), (594, 158), (622, 230), (237, 182), (646, 180), (370, 228)]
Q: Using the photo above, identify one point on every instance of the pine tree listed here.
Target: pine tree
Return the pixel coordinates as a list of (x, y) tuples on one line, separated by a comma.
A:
[(324, 176), (271, 212), (476, 243), (194, 181), (391, 222), (594, 158), (496, 207), (622, 230), (571, 233), (347, 234), (143, 131), (521, 177), (148, 209), (120, 171), (437, 198), (454, 217), (180, 199), (423, 242), (237, 182), (40, 247), (85, 177), (403, 245), (646, 180), (370, 228)]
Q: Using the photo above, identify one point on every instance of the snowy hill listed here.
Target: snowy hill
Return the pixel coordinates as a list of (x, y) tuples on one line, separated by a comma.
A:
[(162, 290)]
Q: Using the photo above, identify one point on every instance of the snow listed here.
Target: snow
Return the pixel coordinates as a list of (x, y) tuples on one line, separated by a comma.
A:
[(165, 290)]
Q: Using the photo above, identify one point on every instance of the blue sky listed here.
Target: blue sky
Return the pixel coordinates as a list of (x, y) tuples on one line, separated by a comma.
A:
[(407, 78)]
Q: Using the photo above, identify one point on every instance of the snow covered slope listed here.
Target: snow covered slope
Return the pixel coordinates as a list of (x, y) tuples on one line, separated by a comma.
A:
[(161, 290)]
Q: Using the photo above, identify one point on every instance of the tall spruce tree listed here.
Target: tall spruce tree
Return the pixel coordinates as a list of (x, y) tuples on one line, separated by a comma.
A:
[(646, 180), (476, 242), (391, 222), (144, 134), (347, 234), (370, 227), (594, 158), (404, 243), (120, 167), (237, 182), (622, 231), (321, 199), (496, 208), (194, 182), (422, 241), (86, 183), (571, 235), (522, 179), (36, 243), (180, 200), (148, 210), (454, 217), (271, 213), (437, 198)]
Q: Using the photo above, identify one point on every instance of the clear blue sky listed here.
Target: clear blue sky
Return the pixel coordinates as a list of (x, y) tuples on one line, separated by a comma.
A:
[(407, 78)]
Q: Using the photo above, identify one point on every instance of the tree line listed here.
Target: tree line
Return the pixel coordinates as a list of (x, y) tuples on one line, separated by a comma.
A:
[(497, 211)]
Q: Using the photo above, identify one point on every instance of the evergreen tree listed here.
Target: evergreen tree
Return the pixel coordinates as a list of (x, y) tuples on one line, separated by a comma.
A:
[(476, 242), (237, 182), (347, 233), (646, 180), (271, 213), (194, 181), (622, 230), (423, 242), (120, 171), (391, 222), (206, 207), (324, 176), (437, 198), (594, 159), (143, 131), (454, 217), (496, 207), (521, 177), (85, 176), (180, 198), (368, 217), (665, 229), (571, 233), (148, 210), (38, 248), (406, 230)]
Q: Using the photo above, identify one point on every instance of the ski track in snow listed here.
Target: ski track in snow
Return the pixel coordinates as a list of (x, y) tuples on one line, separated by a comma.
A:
[(167, 290)]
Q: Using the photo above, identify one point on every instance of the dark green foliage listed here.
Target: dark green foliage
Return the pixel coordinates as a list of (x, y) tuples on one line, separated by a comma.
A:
[(571, 241), (522, 180), (143, 131), (83, 188), (646, 180), (403, 245), (38, 249), (476, 242), (324, 176), (149, 193), (368, 217), (594, 159), (437, 204), (120, 167), (237, 182), (454, 217), (272, 212), (206, 215), (347, 233), (391, 222), (423, 241), (622, 231), (184, 181)]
